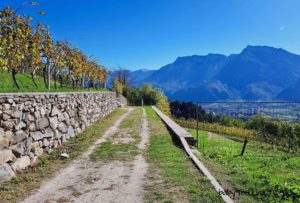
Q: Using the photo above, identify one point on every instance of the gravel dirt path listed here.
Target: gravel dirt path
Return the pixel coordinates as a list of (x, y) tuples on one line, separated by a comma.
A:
[(85, 180)]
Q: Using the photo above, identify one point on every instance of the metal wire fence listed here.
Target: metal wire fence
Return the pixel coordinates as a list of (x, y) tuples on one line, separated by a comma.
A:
[(233, 140)]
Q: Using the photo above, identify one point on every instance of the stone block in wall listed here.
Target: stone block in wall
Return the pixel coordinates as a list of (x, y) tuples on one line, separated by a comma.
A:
[(57, 134), (6, 139), (6, 173), (1, 133), (19, 136), (29, 118), (53, 122), (48, 133), (71, 132), (21, 107), (37, 114), (38, 151), (34, 146), (10, 101), (17, 114), (6, 116), (42, 123), (78, 130), (31, 127), (21, 163), (55, 111), (37, 135), (6, 107), (61, 117), (46, 143), (72, 122), (72, 113), (21, 125), (62, 127), (6, 156), (31, 124), (42, 112), (18, 149), (7, 125), (28, 143), (67, 118)]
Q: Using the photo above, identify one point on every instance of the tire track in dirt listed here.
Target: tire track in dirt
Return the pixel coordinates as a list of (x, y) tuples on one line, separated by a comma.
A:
[(97, 181)]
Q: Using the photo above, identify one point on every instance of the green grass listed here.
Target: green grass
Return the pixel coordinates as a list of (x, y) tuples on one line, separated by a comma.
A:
[(133, 120), (181, 180), (30, 179), (262, 174), (133, 124), (26, 84), (111, 150)]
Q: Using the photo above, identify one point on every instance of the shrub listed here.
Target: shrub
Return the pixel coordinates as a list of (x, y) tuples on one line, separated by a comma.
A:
[(149, 96)]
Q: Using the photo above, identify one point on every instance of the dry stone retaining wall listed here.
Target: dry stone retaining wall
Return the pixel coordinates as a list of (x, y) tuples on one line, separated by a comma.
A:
[(34, 123)]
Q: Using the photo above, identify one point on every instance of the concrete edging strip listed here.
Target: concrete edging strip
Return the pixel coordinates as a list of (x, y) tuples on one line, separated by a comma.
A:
[(182, 133)]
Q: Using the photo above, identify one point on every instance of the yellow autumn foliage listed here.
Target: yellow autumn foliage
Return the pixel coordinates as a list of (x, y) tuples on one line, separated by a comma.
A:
[(212, 127)]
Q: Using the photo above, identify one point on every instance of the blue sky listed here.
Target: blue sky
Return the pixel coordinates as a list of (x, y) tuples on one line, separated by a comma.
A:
[(151, 33)]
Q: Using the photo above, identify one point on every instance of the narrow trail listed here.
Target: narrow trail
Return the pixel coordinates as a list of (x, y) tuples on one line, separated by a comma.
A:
[(85, 180)]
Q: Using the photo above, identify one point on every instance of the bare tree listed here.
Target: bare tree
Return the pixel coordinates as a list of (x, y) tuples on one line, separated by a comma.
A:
[(123, 75)]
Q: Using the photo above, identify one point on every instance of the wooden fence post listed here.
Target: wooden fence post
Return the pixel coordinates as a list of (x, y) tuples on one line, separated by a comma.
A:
[(244, 147)]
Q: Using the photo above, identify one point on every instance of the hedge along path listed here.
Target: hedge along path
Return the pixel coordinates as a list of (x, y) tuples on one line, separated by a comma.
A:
[(96, 177)]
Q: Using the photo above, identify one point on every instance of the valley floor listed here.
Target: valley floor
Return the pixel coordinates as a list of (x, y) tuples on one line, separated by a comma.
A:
[(130, 158)]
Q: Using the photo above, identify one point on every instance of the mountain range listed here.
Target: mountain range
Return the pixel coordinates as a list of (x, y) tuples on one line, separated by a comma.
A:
[(257, 73)]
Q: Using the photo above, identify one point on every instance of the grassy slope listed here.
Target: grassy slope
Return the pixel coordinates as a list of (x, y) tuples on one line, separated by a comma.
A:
[(260, 170), (30, 179), (26, 84), (181, 181)]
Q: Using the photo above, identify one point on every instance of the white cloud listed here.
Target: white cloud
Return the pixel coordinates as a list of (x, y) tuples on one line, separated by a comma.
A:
[(282, 28)]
